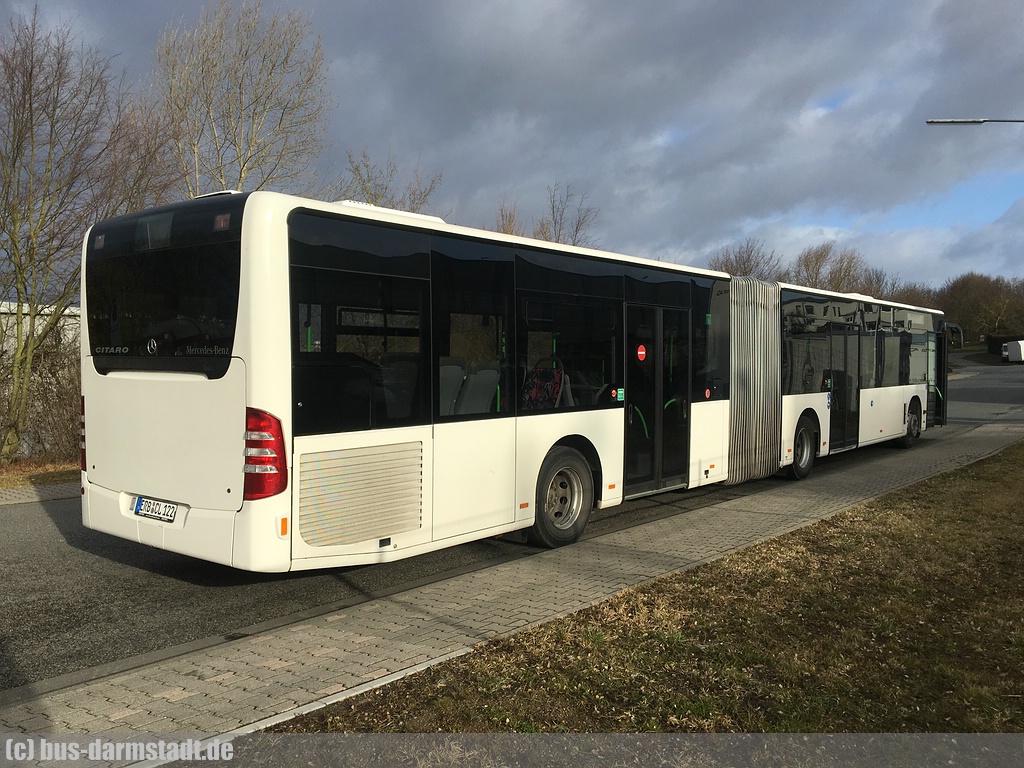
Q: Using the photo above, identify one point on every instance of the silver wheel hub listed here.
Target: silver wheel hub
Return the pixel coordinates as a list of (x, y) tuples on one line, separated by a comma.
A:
[(564, 500), (803, 448)]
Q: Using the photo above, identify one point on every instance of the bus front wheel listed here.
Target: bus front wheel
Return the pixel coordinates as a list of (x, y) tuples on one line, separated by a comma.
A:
[(565, 498), (804, 448), (913, 426)]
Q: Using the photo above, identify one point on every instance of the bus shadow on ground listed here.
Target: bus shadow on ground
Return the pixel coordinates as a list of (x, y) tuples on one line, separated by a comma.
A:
[(150, 559)]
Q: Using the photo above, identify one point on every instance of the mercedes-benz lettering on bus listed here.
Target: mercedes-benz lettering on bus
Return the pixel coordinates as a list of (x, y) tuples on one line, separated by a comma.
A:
[(275, 383)]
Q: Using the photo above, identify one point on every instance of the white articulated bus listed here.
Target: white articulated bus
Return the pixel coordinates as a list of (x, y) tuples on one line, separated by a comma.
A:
[(275, 383)]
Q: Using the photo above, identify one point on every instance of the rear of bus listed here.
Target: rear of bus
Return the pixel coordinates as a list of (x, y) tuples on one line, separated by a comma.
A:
[(177, 452)]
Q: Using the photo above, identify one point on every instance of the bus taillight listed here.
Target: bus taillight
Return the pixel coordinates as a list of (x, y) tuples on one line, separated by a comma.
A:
[(266, 468)]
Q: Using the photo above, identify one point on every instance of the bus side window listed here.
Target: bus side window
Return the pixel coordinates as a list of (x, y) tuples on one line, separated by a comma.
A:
[(360, 347), (569, 357), (472, 289), (889, 351), (806, 345)]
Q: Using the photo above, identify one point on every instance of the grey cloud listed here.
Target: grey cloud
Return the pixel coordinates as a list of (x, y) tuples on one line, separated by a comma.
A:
[(690, 124)]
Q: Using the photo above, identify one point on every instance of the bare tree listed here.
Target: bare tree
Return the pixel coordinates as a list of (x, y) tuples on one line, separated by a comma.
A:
[(918, 294), (750, 259), (72, 150), (827, 267), (568, 218), (369, 182), (811, 266), (847, 270), (139, 165), (245, 100), (983, 305), (508, 221), (876, 282)]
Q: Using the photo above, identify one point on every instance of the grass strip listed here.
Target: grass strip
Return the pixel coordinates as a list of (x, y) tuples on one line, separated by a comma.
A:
[(30, 473)]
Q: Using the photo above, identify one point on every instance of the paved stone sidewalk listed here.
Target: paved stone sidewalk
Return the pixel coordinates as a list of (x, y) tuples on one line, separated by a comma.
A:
[(246, 684), (39, 493)]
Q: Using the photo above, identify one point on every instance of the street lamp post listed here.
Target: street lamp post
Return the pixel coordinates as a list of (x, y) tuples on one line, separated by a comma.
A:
[(969, 120)]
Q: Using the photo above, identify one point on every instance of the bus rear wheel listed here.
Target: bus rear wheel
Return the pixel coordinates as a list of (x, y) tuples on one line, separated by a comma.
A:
[(804, 445), (565, 498)]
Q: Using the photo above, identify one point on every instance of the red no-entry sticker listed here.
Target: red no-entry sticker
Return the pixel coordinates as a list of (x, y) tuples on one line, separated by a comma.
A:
[(641, 353)]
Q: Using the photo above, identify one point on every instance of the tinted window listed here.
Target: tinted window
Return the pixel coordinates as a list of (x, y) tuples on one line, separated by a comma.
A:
[(359, 338), (569, 352), (648, 286), (564, 274), (806, 343), (710, 329), (474, 372), (913, 327), (336, 243), (162, 287)]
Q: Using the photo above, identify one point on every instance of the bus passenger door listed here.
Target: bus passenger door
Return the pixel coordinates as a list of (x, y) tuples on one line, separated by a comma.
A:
[(844, 386), (938, 377), (657, 384)]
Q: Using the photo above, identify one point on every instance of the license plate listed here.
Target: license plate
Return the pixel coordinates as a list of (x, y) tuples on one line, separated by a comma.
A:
[(157, 510)]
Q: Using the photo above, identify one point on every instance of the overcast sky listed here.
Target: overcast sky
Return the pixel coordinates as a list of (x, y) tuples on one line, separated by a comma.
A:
[(691, 125)]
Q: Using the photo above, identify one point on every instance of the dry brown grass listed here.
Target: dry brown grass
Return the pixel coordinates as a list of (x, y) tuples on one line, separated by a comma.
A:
[(27, 473), (902, 615)]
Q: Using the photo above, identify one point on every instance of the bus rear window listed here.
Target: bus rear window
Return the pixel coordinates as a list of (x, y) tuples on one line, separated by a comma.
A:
[(161, 288)]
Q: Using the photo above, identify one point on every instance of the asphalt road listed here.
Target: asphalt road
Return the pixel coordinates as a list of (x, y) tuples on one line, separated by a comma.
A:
[(72, 599), (75, 603)]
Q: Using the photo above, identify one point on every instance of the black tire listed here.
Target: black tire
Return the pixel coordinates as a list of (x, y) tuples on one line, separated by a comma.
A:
[(913, 426), (565, 498), (805, 445)]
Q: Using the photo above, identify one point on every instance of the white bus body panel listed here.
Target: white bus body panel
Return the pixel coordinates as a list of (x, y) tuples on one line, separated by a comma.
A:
[(883, 411), (536, 435), (188, 443), (709, 442), (793, 407), (202, 533), (264, 339), (361, 497), (187, 448), (485, 485), (475, 487), (882, 416)]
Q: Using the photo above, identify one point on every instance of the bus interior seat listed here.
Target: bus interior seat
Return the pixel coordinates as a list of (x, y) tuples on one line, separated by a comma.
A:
[(479, 389), (565, 396), (547, 386), (451, 375)]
